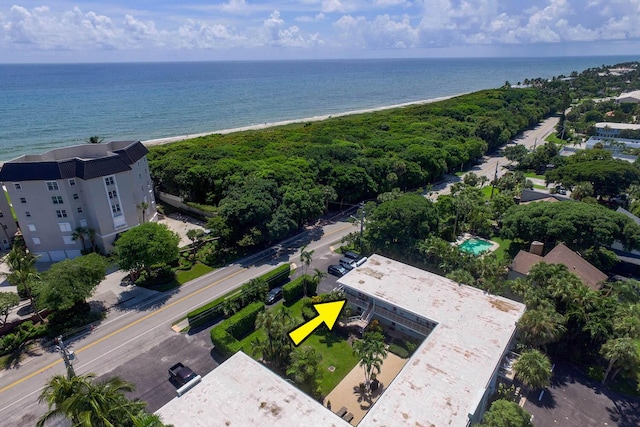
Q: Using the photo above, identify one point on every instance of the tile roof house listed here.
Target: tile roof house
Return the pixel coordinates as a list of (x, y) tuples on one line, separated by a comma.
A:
[(528, 196), (590, 275)]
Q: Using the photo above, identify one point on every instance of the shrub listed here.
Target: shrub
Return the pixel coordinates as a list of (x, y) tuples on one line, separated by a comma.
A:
[(293, 290), (398, 351), (411, 346), (225, 335), (277, 276), (596, 373)]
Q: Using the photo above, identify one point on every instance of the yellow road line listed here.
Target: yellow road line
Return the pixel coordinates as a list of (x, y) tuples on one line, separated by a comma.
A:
[(106, 337), (124, 328)]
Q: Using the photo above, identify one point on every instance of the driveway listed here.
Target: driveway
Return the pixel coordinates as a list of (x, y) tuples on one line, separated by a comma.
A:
[(574, 400)]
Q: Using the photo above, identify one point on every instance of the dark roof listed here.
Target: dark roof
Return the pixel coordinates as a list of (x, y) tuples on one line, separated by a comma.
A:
[(532, 196), (115, 161), (561, 254), (629, 214)]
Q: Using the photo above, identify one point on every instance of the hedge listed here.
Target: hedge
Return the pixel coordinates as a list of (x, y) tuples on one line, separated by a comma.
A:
[(224, 336), (399, 351), (277, 276), (293, 290), (199, 316)]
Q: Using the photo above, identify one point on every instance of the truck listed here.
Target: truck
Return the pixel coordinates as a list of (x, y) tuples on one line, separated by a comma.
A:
[(181, 374)]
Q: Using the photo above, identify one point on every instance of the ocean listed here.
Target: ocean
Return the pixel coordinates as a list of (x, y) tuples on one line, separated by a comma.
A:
[(51, 106)]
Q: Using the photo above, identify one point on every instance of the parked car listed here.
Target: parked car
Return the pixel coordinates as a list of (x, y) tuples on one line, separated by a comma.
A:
[(274, 295), (181, 374), (358, 258), (348, 263), (337, 270)]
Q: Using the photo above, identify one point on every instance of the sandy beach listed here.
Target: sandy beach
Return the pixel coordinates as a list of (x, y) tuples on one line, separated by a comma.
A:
[(171, 139)]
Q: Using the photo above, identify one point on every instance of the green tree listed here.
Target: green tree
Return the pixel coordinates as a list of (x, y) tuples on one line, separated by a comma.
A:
[(371, 351), (230, 307), (515, 153), (95, 139), (8, 300), (305, 257), (86, 402), (23, 273), (71, 281), (540, 327), (504, 413), (620, 352), (147, 244), (304, 368), (195, 235), (79, 233), (276, 347), (533, 368), (608, 177), (143, 206), (582, 190)]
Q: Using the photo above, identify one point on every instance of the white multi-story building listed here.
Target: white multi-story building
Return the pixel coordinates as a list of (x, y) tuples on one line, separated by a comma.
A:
[(102, 189), (8, 225)]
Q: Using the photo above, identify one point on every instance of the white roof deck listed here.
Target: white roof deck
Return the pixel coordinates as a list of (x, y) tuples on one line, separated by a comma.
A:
[(448, 374), (620, 126), (241, 392)]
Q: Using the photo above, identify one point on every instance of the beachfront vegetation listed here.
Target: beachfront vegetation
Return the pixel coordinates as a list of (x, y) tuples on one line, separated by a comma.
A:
[(264, 185)]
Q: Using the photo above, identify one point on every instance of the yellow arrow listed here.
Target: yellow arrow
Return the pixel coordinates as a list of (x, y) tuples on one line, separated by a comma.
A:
[(328, 313)]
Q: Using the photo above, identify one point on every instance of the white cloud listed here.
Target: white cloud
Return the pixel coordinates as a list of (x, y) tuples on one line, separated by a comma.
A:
[(318, 17), (235, 6)]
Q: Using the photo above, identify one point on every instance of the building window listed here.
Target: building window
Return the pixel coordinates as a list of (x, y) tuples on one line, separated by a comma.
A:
[(115, 208), (23, 200), (61, 213), (72, 182), (57, 200), (17, 186), (68, 240), (27, 214), (79, 209), (64, 226), (108, 180), (83, 223), (75, 196), (52, 186), (113, 194), (31, 227), (36, 240)]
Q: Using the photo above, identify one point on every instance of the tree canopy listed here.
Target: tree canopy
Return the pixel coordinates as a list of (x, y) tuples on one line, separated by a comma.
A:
[(145, 245), (504, 413), (71, 281), (607, 177), (579, 225)]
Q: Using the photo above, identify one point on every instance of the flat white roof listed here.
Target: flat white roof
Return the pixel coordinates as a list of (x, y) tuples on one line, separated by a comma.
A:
[(629, 95), (617, 126), (440, 385), (241, 392), (448, 374)]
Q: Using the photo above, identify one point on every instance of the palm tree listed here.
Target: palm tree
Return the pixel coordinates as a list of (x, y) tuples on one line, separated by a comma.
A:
[(533, 368), (620, 352), (144, 419), (305, 258), (91, 232), (143, 207), (86, 402), (371, 351), (95, 139), (23, 273), (540, 327), (229, 307), (304, 368), (79, 234), (277, 346)]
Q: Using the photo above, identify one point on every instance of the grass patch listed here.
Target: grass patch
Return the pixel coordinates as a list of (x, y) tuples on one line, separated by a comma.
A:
[(533, 175), (198, 269), (486, 190), (333, 347), (539, 187), (503, 250), (554, 138)]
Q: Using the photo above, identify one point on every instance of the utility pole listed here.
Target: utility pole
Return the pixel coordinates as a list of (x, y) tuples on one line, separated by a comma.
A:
[(495, 179), (67, 356)]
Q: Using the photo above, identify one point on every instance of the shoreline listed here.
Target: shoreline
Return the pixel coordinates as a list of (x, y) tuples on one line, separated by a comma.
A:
[(171, 139)]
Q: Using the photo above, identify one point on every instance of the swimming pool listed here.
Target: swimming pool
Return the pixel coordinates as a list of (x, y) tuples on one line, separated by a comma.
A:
[(475, 246)]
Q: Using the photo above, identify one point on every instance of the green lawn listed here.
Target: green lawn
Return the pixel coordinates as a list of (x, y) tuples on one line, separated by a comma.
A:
[(334, 348), (198, 269), (503, 250), (539, 187), (533, 175), (486, 190)]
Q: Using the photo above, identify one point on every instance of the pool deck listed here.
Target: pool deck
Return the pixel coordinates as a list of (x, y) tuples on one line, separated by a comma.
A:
[(467, 236)]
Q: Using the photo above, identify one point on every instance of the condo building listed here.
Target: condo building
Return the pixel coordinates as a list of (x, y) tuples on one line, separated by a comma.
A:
[(73, 198)]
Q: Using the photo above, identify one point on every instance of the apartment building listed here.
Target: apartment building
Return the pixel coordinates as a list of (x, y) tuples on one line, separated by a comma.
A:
[(103, 189), (8, 226)]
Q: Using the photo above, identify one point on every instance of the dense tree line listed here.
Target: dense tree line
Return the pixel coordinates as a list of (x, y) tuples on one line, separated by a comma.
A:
[(266, 184)]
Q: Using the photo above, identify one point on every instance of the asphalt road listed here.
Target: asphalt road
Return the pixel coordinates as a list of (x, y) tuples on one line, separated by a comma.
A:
[(495, 164), (139, 344)]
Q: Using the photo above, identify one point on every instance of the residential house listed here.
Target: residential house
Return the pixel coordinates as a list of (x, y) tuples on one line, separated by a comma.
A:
[(104, 189), (629, 98), (560, 254)]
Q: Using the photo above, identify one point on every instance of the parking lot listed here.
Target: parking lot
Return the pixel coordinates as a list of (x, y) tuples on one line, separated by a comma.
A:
[(574, 400)]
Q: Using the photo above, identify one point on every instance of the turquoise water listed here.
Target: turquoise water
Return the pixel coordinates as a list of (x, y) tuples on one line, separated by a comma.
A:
[(475, 246), (50, 106)]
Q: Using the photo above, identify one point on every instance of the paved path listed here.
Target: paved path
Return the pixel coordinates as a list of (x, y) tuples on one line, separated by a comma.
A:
[(346, 394)]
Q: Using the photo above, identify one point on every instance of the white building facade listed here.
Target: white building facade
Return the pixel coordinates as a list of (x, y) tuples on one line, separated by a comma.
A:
[(95, 190)]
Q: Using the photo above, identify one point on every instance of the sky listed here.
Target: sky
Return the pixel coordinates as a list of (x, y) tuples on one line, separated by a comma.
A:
[(190, 30)]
